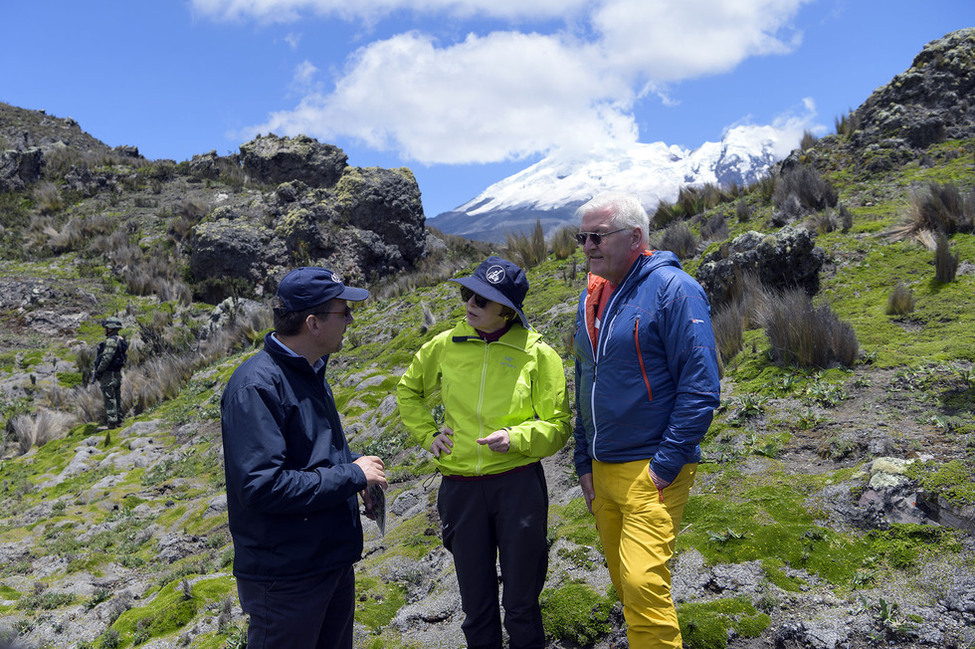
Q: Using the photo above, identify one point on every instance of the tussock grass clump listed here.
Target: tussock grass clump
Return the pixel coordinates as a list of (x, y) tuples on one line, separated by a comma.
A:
[(805, 335), (808, 141), (801, 189), (936, 209), (48, 198), (41, 428), (743, 211), (901, 300), (715, 228), (527, 251), (564, 241), (847, 124), (677, 238), (741, 312), (945, 263)]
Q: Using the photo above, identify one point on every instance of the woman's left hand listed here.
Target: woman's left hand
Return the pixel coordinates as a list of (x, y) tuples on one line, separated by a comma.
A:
[(499, 441)]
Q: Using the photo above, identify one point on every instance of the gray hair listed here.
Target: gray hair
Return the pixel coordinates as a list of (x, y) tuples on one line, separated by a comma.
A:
[(625, 211)]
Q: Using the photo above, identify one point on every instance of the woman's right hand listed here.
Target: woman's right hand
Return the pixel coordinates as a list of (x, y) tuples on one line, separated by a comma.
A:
[(442, 442)]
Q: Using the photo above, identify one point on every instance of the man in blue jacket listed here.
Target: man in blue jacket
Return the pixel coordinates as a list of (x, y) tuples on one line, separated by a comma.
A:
[(646, 387), (292, 482)]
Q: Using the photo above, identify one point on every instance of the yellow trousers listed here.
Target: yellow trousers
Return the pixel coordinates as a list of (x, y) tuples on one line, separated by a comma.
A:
[(638, 525)]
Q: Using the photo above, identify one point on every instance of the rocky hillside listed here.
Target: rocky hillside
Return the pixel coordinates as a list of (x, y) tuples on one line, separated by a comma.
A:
[(834, 507)]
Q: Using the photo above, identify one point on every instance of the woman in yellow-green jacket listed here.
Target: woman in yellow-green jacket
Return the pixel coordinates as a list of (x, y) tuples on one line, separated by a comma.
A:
[(505, 408)]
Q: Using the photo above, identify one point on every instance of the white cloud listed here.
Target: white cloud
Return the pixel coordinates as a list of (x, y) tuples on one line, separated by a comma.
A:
[(293, 40), (782, 135), (369, 10), (507, 94), (671, 41), (304, 76)]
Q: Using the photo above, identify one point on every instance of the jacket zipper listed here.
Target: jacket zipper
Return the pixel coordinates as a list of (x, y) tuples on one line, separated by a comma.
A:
[(639, 355), (480, 405)]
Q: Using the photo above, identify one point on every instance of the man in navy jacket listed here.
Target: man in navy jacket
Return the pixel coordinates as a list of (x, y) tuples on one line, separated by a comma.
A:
[(646, 387), (292, 481)]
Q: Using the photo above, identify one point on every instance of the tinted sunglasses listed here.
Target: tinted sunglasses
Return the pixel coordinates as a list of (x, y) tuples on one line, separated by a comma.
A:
[(466, 294), (597, 237), (347, 312)]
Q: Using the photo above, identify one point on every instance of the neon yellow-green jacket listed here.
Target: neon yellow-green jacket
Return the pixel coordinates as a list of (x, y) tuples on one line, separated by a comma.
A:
[(517, 382)]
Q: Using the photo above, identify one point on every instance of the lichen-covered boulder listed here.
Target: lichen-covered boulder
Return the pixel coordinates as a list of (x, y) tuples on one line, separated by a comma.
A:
[(20, 168), (273, 160), (387, 202), (228, 249), (787, 259), (929, 102)]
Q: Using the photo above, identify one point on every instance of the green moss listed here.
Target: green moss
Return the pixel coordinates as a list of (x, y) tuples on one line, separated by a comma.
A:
[(576, 613), (954, 480), (377, 601), (765, 522), (705, 625), (574, 522), (412, 538), (169, 611), (6, 592)]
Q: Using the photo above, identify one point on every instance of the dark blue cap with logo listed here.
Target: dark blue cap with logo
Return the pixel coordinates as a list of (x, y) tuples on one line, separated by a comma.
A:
[(307, 287), (500, 281)]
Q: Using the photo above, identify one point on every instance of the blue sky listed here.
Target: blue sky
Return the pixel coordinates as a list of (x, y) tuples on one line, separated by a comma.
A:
[(464, 92)]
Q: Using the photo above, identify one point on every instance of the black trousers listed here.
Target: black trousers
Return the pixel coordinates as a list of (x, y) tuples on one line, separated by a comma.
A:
[(313, 613), (498, 519)]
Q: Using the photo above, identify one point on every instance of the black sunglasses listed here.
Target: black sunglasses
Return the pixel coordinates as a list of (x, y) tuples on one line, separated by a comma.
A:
[(466, 294), (597, 237)]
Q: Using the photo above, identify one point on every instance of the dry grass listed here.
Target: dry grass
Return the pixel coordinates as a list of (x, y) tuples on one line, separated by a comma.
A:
[(935, 208), (676, 238), (802, 189), (564, 241), (47, 197), (901, 300), (945, 263), (527, 251), (39, 429), (805, 335)]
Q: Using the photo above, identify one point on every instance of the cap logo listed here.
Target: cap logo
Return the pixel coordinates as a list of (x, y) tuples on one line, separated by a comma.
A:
[(336, 277), (495, 274)]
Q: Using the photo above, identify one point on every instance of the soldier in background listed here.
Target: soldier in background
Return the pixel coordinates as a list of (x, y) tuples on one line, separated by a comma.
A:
[(108, 370)]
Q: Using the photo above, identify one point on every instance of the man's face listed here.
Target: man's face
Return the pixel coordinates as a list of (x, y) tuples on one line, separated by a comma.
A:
[(613, 256), (332, 322)]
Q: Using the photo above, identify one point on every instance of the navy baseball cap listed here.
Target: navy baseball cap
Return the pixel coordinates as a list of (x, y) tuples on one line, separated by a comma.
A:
[(307, 287), (500, 281)]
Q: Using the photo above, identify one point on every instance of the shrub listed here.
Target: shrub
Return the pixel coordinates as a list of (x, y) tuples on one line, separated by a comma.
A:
[(676, 238), (805, 335), (945, 263), (575, 613), (564, 242), (900, 301), (527, 251)]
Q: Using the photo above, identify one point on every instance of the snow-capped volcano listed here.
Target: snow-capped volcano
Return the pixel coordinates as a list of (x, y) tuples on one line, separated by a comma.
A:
[(551, 190)]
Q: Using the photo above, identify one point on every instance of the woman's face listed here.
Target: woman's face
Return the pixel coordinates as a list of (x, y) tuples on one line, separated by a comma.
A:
[(487, 318)]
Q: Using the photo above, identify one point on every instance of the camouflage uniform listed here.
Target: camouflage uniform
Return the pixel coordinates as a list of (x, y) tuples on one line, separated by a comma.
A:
[(108, 371)]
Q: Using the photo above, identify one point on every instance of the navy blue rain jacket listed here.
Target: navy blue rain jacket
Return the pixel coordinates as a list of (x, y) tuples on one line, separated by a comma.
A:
[(291, 485), (647, 387)]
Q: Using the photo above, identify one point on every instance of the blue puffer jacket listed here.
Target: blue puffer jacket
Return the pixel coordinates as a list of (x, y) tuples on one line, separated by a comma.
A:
[(648, 386), (291, 487)]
